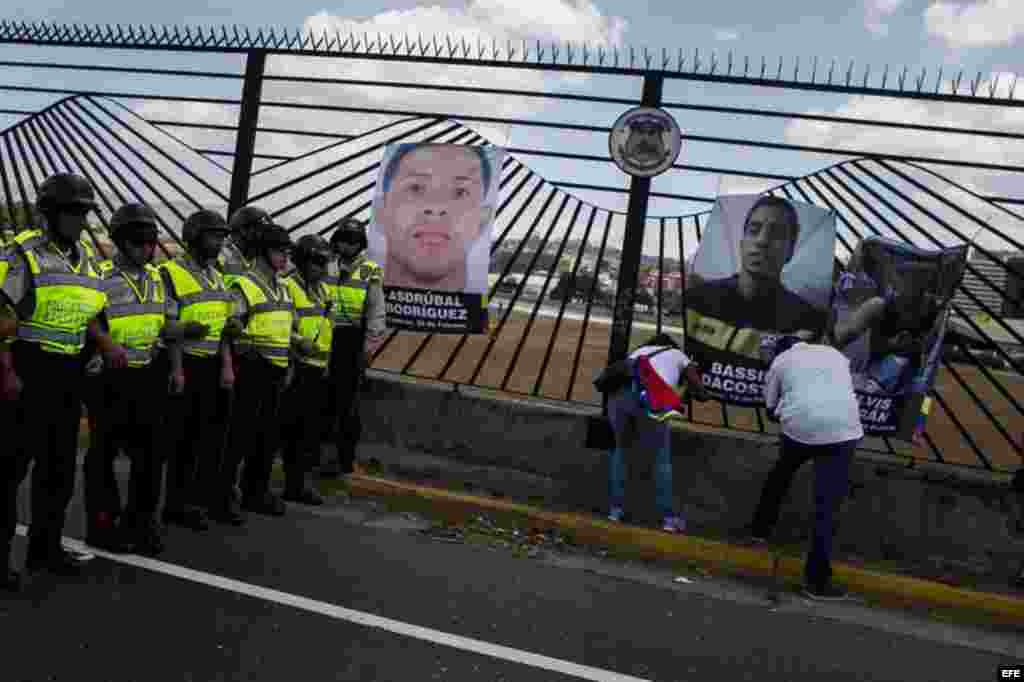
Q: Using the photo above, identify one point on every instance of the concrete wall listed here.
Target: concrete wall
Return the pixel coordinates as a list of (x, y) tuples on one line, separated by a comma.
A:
[(530, 449)]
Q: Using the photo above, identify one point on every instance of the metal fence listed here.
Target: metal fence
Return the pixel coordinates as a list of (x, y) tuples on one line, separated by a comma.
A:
[(588, 262)]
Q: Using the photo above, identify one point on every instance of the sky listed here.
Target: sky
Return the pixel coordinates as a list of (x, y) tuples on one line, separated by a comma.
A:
[(976, 36)]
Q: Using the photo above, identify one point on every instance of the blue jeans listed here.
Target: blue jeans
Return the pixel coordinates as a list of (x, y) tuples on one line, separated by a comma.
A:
[(624, 410), (831, 478)]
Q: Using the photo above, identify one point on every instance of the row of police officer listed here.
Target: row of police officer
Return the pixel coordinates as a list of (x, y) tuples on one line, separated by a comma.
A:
[(213, 339)]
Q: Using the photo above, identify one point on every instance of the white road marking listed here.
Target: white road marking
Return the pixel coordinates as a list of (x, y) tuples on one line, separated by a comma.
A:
[(358, 617)]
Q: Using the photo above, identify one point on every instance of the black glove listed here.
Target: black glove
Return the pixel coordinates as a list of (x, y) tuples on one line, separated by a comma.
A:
[(196, 330)]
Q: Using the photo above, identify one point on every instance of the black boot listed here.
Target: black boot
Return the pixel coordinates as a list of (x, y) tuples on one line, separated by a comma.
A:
[(303, 495), (148, 538), (104, 534), (187, 516), (57, 561), (267, 503)]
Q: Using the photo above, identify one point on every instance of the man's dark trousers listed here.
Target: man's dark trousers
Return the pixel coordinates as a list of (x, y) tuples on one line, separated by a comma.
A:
[(46, 429), (303, 422), (831, 481), (255, 428), (348, 366), (133, 399), (197, 429)]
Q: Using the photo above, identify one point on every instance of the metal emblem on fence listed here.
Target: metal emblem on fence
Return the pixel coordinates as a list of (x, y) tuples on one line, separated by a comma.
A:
[(645, 141)]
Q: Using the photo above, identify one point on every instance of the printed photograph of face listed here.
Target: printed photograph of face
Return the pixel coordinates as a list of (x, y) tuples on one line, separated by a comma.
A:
[(431, 227)]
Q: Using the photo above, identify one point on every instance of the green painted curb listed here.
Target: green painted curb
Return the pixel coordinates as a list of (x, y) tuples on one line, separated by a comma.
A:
[(656, 544)]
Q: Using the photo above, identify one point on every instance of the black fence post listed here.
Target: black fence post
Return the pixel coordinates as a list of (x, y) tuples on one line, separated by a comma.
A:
[(632, 247), (245, 141)]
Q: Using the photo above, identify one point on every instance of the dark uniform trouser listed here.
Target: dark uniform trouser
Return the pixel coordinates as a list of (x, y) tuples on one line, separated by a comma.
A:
[(255, 428), (303, 422), (101, 490), (347, 368), (44, 431), (196, 433), (132, 399)]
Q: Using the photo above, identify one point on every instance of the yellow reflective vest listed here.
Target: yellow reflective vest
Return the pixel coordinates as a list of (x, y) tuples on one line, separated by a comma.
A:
[(271, 314), (136, 325), (208, 303), (66, 298), (311, 314), (349, 295)]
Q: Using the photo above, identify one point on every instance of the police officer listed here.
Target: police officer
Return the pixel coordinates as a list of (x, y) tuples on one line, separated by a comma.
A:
[(240, 248), (56, 292), (264, 351), (138, 312), (303, 421), (199, 415), (359, 330)]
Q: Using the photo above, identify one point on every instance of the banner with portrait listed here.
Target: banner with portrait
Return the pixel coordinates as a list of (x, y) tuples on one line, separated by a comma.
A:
[(763, 268), (433, 216), (891, 311)]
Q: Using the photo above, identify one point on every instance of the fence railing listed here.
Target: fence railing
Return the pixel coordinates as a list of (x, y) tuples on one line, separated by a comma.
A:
[(297, 123)]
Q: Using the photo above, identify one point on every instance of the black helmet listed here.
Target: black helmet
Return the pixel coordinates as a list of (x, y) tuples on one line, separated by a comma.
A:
[(248, 221), (273, 237), (349, 229), (202, 221), (65, 190), (310, 245), (137, 220)]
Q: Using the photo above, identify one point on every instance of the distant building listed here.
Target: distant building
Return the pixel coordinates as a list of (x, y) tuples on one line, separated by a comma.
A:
[(1001, 293)]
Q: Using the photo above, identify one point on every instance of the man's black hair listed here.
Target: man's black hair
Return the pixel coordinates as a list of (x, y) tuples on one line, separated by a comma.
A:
[(662, 339), (777, 202), (403, 150)]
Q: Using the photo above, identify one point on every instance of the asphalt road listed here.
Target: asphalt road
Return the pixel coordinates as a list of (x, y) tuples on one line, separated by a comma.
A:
[(354, 594)]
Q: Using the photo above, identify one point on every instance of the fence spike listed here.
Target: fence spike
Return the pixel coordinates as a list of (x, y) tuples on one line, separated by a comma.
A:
[(975, 84), (885, 76), (867, 73), (728, 71), (902, 78), (849, 73), (714, 63), (696, 59), (540, 52), (938, 81), (778, 76), (555, 51), (120, 32), (920, 79), (600, 55), (510, 51), (1013, 85), (481, 48), (764, 66), (615, 49), (569, 52), (681, 61), (956, 82), (796, 68), (814, 69), (465, 47), (647, 57), (746, 64), (664, 59), (993, 85)]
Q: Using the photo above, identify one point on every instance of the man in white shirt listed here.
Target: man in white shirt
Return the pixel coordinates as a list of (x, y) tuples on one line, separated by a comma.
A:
[(809, 389)]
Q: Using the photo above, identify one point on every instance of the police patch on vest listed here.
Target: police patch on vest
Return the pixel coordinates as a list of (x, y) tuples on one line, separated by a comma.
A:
[(436, 312)]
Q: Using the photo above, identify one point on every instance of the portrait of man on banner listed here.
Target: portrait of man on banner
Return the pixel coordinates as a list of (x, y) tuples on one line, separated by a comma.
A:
[(890, 313), (433, 215), (763, 268)]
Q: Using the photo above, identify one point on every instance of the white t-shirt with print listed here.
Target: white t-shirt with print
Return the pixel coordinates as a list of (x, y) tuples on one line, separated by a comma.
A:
[(810, 389), (668, 364)]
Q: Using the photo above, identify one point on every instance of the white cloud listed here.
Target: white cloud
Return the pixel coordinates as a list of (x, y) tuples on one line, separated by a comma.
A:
[(930, 144), (726, 34), (876, 12), (984, 23)]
